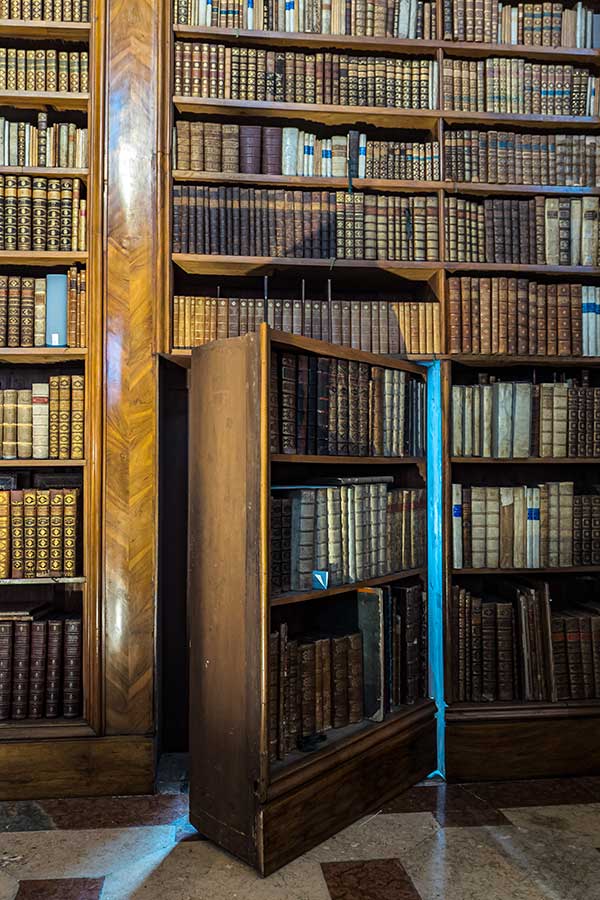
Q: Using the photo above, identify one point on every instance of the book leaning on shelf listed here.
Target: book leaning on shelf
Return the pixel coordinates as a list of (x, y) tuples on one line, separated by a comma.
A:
[(273, 150), (42, 214), (546, 526), (45, 10), (38, 533), (45, 421), (375, 326), (353, 529), (306, 224), (336, 407), (43, 312), (492, 316), (532, 24), (43, 70), (543, 231), (247, 73), (393, 18), (527, 642), (505, 420), (59, 145)]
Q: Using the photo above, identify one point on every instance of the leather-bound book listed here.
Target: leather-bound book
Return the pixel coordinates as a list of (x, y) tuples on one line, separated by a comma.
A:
[(339, 678), (288, 402), (559, 656), (489, 651), (250, 148), (322, 405), (20, 672), (17, 534), (302, 407), (29, 533), (585, 637), (9, 427), (55, 556), (271, 150), (42, 533), (70, 531), (293, 694), (5, 534), (342, 426), (355, 678), (24, 429), (6, 654), (455, 335), (504, 646), (14, 311), (307, 672), (332, 426), (476, 658), (574, 657), (37, 669), (467, 557), (54, 666), (64, 417), (377, 420), (363, 410)]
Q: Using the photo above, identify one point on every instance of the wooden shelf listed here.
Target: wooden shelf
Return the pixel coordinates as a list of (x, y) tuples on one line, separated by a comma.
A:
[(480, 189), (198, 264), (529, 460), (48, 171), (37, 99), (44, 729), (467, 359), (42, 257), (350, 460), (565, 271), (323, 348), (40, 463), (287, 599), (41, 355), (79, 579), (550, 570), (521, 709), (44, 30), (546, 123)]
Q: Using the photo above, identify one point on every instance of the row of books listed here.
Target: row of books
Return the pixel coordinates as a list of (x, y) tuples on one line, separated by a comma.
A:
[(524, 527), (522, 317), (518, 86), (307, 224), (338, 407), (347, 530), (40, 663), (42, 213), (44, 421), (508, 157), (43, 312), (46, 10), (44, 70), (273, 150), (533, 24), (248, 73), (390, 18), (324, 681), (505, 419), (516, 644), (551, 231), (38, 533), (60, 145), (376, 326)]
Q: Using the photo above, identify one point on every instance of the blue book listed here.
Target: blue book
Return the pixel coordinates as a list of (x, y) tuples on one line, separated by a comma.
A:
[(56, 310)]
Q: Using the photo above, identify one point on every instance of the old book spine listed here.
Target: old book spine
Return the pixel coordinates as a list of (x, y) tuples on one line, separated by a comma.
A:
[(70, 531), (6, 654), (54, 666), (20, 673), (37, 670)]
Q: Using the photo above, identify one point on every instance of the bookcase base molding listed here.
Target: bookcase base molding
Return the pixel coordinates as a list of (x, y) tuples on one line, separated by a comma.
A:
[(306, 811), (85, 767), (547, 743)]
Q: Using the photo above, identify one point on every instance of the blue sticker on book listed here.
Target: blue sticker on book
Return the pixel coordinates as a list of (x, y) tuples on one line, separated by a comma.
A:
[(457, 510), (320, 580), (533, 513), (362, 151)]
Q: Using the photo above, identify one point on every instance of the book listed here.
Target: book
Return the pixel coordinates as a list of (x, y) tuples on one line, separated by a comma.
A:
[(39, 70)]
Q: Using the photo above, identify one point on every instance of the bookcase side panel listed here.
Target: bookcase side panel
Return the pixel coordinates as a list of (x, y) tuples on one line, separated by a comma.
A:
[(224, 596)]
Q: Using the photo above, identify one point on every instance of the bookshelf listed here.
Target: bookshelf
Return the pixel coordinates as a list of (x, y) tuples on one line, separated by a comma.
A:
[(237, 602)]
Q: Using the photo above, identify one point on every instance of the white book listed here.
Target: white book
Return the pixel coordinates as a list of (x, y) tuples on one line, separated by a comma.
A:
[(521, 437), (588, 310), (458, 392), (576, 243), (476, 413), (300, 154), (457, 541), (486, 419), (362, 156), (289, 151), (468, 421), (529, 528), (514, 31), (403, 18), (502, 394), (351, 535), (433, 85), (589, 231), (535, 528), (39, 419)]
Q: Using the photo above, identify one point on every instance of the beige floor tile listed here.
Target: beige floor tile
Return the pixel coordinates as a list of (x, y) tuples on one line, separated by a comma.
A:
[(581, 821), (8, 886), (377, 837)]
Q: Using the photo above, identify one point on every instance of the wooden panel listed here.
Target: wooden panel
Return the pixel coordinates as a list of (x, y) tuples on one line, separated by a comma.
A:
[(89, 767), (224, 591), (132, 261), (540, 747), (319, 808)]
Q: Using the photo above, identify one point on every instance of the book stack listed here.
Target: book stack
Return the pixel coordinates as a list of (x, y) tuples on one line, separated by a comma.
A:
[(545, 526), (517, 646), (273, 150), (352, 529), (336, 407), (392, 18), (306, 224), (46, 10), (516, 316), (44, 421), (42, 214), (60, 145), (40, 312), (375, 326), (328, 681), (40, 662), (247, 73), (508, 157), (505, 420), (43, 70), (38, 533), (551, 231), (504, 85), (536, 25)]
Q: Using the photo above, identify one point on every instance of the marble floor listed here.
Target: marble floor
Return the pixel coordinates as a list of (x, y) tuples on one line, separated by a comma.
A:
[(513, 841)]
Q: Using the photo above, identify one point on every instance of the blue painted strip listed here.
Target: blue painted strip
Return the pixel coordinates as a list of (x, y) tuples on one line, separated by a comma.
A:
[(434, 550)]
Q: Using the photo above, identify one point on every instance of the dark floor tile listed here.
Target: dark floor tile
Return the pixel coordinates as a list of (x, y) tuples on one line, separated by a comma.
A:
[(24, 815), (421, 798), (172, 776), (60, 889), (117, 812), (543, 792), (450, 804), (375, 879)]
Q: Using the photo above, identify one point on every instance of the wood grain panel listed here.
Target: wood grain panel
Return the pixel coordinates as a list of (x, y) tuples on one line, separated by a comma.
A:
[(132, 296)]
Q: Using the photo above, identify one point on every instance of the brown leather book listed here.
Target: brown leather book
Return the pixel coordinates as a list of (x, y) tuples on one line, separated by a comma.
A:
[(20, 671), (37, 670), (54, 666), (70, 520), (6, 656), (72, 641)]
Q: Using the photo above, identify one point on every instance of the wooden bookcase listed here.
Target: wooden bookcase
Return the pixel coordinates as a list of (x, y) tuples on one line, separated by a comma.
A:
[(269, 813)]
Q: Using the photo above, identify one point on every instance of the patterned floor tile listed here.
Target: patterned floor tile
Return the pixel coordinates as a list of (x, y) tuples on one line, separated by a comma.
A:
[(581, 822), (376, 837), (543, 792), (117, 812), (377, 879), (450, 804), (61, 889)]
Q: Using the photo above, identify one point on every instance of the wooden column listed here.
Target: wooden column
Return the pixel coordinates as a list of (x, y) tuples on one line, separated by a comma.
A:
[(132, 297)]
